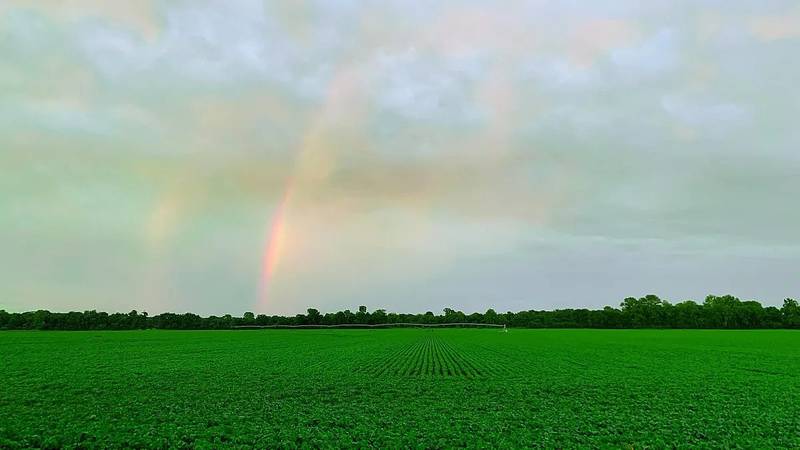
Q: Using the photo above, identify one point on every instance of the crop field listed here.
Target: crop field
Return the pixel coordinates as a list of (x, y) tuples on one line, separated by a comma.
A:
[(401, 387)]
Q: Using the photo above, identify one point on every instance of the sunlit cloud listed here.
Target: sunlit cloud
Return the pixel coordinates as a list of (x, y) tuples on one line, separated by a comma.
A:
[(771, 28)]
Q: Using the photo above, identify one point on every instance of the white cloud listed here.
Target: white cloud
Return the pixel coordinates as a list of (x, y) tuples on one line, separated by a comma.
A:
[(557, 74), (215, 43), (653, 57), (425, 88), (693, 111)]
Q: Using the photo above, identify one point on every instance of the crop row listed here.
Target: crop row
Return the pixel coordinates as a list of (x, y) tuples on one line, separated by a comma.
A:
[(428, 357)]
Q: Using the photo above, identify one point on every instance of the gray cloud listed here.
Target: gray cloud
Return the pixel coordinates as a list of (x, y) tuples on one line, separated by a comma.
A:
[(537, 154)]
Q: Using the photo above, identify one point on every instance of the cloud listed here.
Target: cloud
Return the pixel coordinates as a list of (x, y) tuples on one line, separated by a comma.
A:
[(214, 42), (439, 151), (425, 89), (651, 58), (716, 118), (772, 28)]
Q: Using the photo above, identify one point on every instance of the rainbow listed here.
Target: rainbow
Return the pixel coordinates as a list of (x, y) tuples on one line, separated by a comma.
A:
[(274, 244), (313, 164)]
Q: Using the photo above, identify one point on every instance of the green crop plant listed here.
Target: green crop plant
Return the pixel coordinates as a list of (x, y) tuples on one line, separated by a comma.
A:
[(400, 388)]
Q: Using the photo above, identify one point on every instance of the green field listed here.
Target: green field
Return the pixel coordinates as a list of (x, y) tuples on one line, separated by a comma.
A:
[(408, 387)]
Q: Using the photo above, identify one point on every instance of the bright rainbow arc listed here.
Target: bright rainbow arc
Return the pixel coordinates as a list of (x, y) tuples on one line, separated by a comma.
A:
[(312, 163), (344, 108), (274, 243)]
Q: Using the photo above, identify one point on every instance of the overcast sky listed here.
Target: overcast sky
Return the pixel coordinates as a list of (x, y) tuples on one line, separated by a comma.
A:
[(225, 156)]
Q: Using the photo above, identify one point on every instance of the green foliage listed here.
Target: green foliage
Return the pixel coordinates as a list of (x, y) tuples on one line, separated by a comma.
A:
[(646, 312), (791, 313), (401, 388), (249, 318)]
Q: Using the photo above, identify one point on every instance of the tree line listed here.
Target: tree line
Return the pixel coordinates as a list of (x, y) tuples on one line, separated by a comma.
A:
[(726, 312)]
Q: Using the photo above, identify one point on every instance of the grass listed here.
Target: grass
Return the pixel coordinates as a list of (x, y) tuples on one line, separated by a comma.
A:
[(389, 388)]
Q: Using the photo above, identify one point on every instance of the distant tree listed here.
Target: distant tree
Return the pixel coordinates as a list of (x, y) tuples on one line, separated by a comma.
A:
[(688, 314), (791, 313), (39, 320), (749, 314), (378, 316), (720, 312), (248, 318), (313, 317), (648, 311), (772, 317), (348, 315), (611, 317), (643, 312), (136, 321), (475, 317), (362, 316)]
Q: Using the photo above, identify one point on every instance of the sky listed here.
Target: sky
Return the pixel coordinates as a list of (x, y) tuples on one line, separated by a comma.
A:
[(269, 156)]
